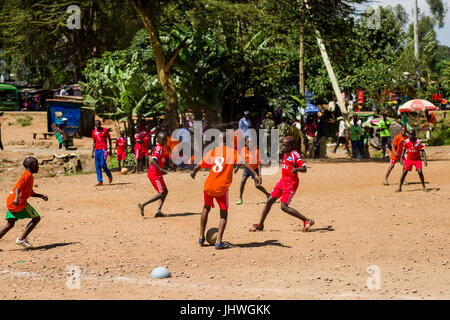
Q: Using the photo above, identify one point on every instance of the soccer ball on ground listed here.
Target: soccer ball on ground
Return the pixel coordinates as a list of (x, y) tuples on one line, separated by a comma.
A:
[(211, 235)]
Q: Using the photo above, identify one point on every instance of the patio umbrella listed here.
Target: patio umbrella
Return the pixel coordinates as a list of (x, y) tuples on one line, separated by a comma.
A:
[(311, 109), (417, 105)]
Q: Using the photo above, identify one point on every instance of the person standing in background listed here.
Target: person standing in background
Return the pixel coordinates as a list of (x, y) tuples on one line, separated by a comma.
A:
[(385, 133), (245, 123), (268, 124)]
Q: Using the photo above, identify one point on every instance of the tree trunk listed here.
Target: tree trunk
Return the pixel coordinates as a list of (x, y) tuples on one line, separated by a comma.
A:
[(171, 119)]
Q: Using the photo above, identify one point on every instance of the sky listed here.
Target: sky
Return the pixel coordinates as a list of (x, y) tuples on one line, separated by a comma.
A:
[(443, 35)]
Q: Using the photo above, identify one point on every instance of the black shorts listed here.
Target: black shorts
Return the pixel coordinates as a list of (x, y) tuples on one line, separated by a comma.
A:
[(247, 173)]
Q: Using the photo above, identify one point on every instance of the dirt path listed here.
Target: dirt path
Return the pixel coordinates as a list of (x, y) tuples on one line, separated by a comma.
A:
[(359, 223)]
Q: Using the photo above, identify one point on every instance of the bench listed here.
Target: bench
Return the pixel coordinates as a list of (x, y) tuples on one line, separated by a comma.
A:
[(44, 134)]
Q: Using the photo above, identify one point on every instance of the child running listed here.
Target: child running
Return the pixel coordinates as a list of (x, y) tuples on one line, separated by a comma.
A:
[(287, 186), (254, 160), (220, 162), (121, 145), (155, 174), (414, 146), (18, 206), (397, 150)]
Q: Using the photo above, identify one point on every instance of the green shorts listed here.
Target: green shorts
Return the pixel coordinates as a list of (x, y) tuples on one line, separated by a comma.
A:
[(58, 136), (28, 212)]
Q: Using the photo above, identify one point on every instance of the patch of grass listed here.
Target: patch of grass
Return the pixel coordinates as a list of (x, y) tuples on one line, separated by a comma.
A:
[(79, 173), (377, 155), (440, 136), (129, 161), (10, 123), (24, 122)]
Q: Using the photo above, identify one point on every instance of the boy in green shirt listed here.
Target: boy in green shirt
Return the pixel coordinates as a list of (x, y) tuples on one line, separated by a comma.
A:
[(385, 134), (355, 137)]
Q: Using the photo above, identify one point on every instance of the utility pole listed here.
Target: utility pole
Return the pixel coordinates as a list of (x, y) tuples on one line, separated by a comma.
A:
[(416, 42), (301, 64)]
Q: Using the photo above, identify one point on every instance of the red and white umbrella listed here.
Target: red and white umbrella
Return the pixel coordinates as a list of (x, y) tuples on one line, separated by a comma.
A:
[(417, 105)]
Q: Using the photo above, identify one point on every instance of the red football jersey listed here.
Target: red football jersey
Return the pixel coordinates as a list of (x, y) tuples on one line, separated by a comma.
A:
[(160, 157), (100, 138), (291, 160), (137, 138), (146, 138), (121, 144), (413, 149)]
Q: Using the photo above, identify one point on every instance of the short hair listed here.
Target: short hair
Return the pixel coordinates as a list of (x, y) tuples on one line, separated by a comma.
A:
[(27, 163)]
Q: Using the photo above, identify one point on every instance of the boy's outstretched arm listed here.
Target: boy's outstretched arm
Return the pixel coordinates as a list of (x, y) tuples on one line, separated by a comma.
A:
[(302, 169), (42, 196), (425, 162), (153, 162), (402, 156), (195, 170)]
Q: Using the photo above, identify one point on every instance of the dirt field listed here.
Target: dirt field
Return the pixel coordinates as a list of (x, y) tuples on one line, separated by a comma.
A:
[(359, 223)]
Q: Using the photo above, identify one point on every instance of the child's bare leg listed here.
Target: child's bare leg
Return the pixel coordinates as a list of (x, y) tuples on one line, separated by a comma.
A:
[(152, 199), (262, 189), (241, 190), (422, 179), (161, 202), (120, 165), (30, 226), (9, 226), (222, 224), (292, 212), (204, 221), (264, 214), (402, 179), (388, 173)]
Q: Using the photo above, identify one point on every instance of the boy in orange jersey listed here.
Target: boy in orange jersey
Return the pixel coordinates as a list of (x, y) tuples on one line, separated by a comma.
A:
[(397, 149), (254, 160), (220, 162), (18, 206)]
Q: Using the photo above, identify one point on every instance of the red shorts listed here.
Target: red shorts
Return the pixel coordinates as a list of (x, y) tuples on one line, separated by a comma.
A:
[(158, 183), (394, 161), (410, 163), (121, 155), (285, 191), (222, 201), (138, 154)]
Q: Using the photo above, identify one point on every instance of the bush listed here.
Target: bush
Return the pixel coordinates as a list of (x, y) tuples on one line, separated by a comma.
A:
[(129, 161), (440, 136)]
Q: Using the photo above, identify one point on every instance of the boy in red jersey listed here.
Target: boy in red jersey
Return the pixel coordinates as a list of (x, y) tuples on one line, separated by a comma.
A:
[(220, 162), (155, 174), (138, 155), (100, 151), (18, 206), (397, 149), (414, 147), (121, 145), (146, 142), (254, 160), (287, 186)]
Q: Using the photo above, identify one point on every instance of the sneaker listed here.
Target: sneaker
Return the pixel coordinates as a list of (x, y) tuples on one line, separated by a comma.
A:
[(98, 184), (221, 245), (239, 202), (307, 224), (110, 179), (24, 243), (386, 183), (141, 208), (201, 241)]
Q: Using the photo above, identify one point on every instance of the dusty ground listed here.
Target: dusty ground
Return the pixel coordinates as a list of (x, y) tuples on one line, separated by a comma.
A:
[(359, 223)]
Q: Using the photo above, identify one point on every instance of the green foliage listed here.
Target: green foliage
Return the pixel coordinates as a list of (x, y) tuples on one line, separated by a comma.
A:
[(129, 161), (440, 136)]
